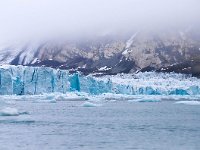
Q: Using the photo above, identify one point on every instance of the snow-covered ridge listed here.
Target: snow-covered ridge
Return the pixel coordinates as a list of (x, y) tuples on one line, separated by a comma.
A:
[(20, 80), (26, 53)]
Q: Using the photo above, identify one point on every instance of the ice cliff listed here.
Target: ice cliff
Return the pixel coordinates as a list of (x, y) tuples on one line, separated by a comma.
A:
[(20, 80)]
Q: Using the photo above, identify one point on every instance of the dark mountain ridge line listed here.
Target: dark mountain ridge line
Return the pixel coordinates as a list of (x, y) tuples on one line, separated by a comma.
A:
[(190, 67)]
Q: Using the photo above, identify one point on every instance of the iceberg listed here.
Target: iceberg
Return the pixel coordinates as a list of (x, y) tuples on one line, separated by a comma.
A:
[(25, 80), (189, 102), (8, 111), (89, 104)]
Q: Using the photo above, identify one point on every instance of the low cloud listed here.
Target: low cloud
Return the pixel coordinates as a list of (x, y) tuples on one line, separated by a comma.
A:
[(25, 19)]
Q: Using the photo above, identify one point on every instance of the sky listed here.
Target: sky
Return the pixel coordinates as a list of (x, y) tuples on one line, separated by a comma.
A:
[(26, 19)]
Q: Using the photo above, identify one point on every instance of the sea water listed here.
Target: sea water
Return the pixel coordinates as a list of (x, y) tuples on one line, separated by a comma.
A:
[(109, 125)]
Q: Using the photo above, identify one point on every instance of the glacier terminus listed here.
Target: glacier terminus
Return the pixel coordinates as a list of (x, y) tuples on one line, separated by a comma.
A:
[(24, 80)]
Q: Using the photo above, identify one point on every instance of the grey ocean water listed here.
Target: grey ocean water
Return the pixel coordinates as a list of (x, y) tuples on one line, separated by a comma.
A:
[(118, 125)]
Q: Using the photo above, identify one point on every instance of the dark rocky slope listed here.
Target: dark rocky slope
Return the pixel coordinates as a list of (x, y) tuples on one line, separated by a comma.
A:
[(169, 51)]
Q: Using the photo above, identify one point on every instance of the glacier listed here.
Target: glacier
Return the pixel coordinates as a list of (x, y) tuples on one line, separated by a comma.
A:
[(25, 80)]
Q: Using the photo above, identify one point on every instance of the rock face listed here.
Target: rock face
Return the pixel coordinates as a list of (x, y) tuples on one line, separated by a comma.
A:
[(166, 51)]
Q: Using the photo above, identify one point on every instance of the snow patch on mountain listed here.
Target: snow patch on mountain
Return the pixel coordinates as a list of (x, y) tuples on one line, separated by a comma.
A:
[(128, 44), (27, 56), (105, 68)]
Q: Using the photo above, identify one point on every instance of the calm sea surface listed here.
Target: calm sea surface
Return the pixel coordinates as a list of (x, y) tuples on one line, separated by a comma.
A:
[(116, 125)]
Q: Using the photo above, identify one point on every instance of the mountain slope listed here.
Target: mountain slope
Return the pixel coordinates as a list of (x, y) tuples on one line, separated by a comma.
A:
[(177, 51)]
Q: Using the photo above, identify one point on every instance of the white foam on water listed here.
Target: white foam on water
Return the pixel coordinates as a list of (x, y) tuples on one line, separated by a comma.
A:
[(188, 102)]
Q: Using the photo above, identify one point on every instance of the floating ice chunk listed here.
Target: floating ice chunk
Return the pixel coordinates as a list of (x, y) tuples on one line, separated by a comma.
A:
[(148, 100), (45, 101), (70, 97), (112, 100), (145, 100), (75, 99), (89, 104), (8, 111), (118, 97), (59, 97), (188, 102)]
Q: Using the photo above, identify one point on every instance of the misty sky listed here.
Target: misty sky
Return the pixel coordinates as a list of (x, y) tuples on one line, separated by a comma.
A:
[(38, 18)]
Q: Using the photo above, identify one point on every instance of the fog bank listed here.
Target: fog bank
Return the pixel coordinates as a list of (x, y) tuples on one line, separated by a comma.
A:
[(26, 19)]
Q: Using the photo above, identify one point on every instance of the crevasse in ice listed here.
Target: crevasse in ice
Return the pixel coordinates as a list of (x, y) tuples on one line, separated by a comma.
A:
[(20, 80)]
